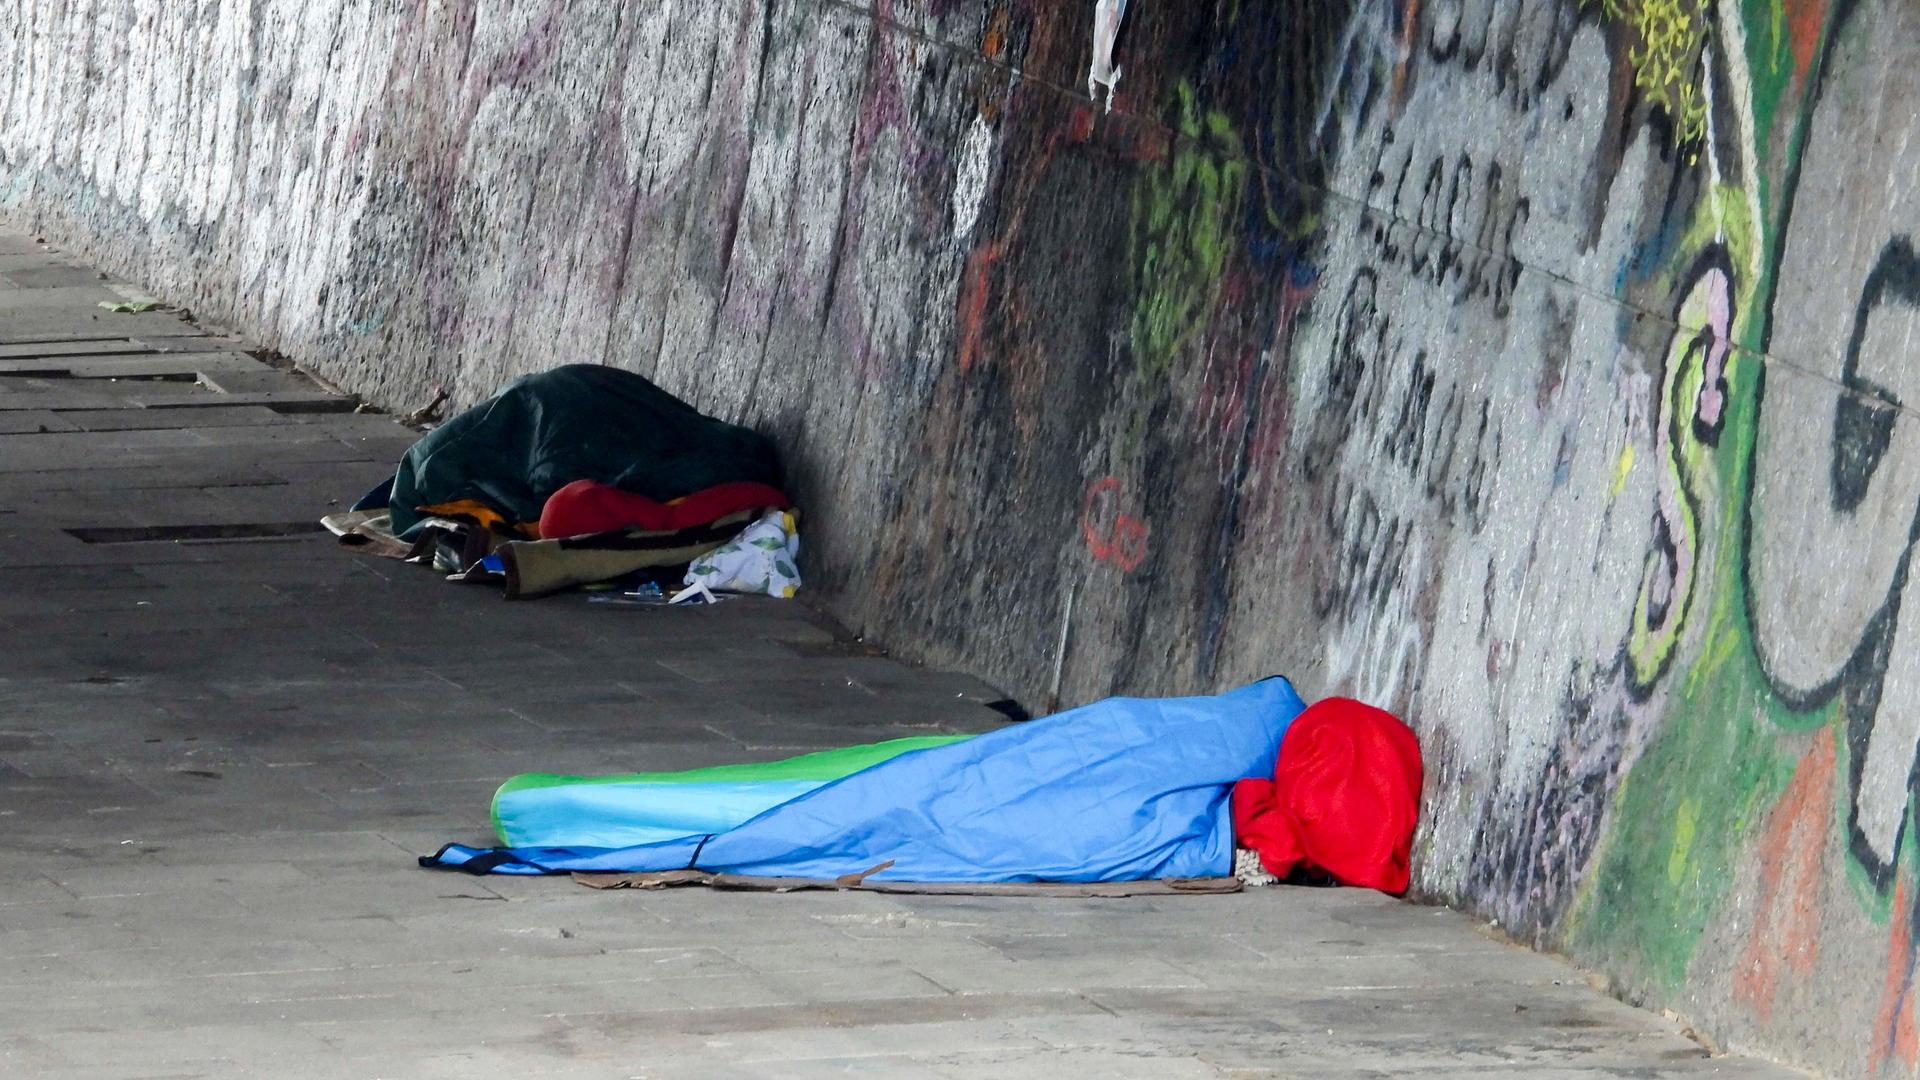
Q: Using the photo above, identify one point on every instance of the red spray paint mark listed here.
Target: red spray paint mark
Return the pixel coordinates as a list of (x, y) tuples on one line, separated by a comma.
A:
[(976, 289), (1896, 1004), (994, 41), (1803, 30), (1080, 126), (1906, 1041), (1153, 144), (1793, 850), (1409, 19), (1112, 536)]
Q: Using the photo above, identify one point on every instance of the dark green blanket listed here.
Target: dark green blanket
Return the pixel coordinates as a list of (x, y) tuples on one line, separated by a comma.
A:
[(577, 422)]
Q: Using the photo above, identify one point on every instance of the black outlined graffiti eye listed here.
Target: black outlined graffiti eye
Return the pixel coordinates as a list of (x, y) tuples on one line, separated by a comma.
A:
[(1863, 416)]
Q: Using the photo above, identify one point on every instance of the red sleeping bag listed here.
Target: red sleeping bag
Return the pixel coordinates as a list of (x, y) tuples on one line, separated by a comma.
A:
[(1344, 798)]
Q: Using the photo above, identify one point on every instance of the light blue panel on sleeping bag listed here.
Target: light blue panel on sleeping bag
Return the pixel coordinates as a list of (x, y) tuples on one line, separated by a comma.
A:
[(627, 815)]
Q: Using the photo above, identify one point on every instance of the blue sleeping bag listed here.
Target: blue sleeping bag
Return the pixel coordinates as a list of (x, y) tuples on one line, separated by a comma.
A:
[(1125, 789)]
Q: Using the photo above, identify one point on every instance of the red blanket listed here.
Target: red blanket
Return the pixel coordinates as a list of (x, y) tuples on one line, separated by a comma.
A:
[(586, 506)]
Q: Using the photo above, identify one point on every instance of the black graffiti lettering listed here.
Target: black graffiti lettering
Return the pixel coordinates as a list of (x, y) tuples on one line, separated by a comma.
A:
[(1380, 156), (1505, 67), (1552, 53), (1389, 241), (1452, 223), (1526, 45), (1862, 431), (1404, 441), (1422, 431), (1487, 237), (1478, 499), (1368, 565), (1446, 441), (1510, 272), (1425, 227), (1443, 30), (1863, 417), (1365, 530), (1389, 561), (1329, 586), (1359, 327), (1426, 224), (1459, 35)]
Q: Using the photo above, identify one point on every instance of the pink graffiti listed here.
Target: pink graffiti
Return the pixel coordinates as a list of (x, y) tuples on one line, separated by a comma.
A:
[(1711, 402)]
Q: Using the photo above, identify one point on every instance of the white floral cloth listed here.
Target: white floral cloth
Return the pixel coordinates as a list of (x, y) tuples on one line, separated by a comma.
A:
[(762, 559)]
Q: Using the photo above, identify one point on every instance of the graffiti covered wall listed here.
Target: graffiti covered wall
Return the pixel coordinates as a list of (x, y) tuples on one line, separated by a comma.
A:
[(1536, 368)]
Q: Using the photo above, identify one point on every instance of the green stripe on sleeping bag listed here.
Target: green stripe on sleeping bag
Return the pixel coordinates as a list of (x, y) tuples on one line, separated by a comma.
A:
[(822, 765)]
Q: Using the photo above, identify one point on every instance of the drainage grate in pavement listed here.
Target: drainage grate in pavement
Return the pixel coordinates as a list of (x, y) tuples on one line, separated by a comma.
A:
[(62, 341), (287, 402), (58, 373), (143, 534)]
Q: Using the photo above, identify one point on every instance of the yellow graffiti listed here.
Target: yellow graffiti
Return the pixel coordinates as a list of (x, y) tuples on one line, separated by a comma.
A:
[(1686, 819), (1669, 38), (1620, 470), (1723, 637)]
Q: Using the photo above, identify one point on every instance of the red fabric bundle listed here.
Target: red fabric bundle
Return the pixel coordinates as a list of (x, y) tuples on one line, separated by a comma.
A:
[(586, 506), (1344, 798)]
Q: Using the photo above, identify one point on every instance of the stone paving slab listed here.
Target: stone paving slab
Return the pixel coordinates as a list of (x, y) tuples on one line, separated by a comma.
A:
[(136, 365), (20, 327), (100, 347), (218, 759)]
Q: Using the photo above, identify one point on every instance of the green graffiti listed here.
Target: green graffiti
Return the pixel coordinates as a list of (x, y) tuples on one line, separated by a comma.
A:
[(1686, 822), (1728, 221), (1183, 211), (1726, 746), (1682, 816), (1770, 60), (1684, 813)]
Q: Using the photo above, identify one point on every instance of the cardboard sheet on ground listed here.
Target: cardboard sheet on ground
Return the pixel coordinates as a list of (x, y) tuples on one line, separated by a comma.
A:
[(1126, 789)]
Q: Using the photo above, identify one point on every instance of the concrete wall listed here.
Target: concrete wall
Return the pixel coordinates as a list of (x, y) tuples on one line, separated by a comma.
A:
[(1535, 368)]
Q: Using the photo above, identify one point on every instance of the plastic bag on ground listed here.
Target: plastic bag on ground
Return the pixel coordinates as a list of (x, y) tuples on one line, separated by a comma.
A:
[(762, 559)]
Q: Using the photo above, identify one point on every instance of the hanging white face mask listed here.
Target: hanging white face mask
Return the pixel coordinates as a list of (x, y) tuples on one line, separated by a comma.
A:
[(1106, 27)]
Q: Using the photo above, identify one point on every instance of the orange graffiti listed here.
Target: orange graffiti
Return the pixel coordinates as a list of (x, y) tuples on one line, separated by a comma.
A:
[(1080, 124), (994, 41), (1906, 1044), (1148, 144), (1803, 28), (975, 290), (1896, 1005), (1123, 541), (1409, 19), (1793, 851)]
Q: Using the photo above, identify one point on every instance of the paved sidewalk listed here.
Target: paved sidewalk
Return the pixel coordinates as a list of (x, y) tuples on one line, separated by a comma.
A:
[(224, 740)]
